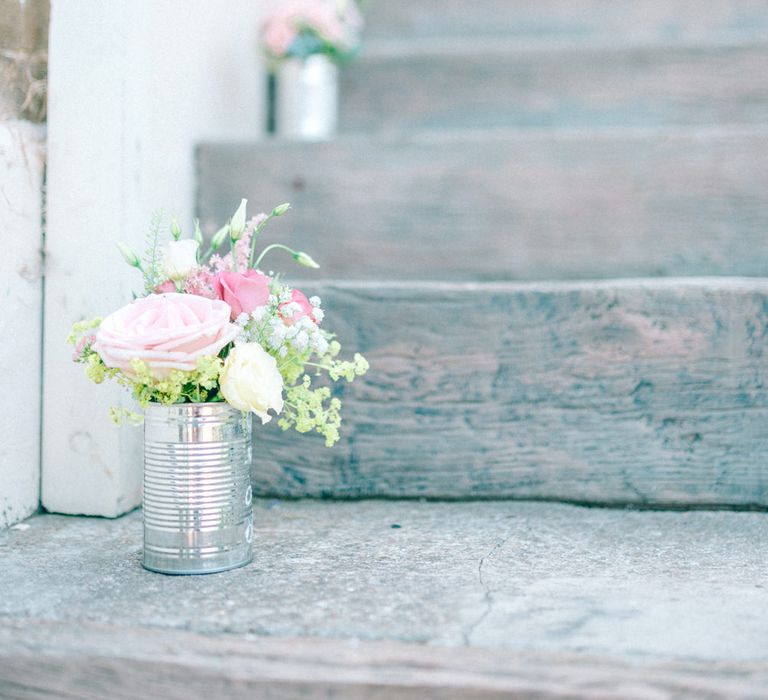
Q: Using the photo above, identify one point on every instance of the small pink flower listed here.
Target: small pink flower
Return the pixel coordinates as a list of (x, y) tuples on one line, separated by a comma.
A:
[(243, 291), (81, 345), (335, 21), (291, 314), (166, 331), (200, 282), (167, 286)]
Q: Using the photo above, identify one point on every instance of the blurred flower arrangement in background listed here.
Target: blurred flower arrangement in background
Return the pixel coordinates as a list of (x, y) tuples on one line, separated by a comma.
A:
[(302, 28), (212, 327)]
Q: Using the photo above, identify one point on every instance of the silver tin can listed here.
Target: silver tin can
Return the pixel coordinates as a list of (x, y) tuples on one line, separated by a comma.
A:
[(307, 98), (198, 516)]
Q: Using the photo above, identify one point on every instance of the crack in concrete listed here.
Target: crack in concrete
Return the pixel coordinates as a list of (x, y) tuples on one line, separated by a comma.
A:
[(488, 595)]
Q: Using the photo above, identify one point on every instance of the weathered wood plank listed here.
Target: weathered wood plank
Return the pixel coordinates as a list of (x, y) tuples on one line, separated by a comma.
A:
[(505, 205), (581, 20), (639, 392), (499, 86), (87, 661)]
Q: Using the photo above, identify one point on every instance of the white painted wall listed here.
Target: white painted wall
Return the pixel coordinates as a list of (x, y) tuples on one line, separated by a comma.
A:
[(22, 159), (134, 85)]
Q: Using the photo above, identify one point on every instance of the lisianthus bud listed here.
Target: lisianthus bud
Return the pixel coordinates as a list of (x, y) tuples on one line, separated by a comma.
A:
[(304, 259), (128, 255), (219, 237), (179, 259), (237, 225), (175, 229), (280, 209), (198, 235)]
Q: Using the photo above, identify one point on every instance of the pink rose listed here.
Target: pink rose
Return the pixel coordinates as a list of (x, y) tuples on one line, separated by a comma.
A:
[(167, 286), (166, 331), (243, 291), (297, 308)]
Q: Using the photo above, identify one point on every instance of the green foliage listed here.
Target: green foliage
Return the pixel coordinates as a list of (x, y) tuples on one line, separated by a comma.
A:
[(79, 329), (308, 409), (200, 385), (153, 274)]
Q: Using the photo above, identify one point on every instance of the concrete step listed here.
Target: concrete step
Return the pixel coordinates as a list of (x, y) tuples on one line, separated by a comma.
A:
[(482, 83), (396, 599), (641, 392), (508, 205), (617, 21)]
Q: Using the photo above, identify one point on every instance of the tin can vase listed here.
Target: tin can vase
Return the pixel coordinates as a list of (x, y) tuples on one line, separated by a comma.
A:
[(198, 516), (307, 102)]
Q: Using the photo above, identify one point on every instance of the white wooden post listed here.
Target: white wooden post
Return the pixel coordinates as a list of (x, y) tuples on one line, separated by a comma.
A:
[(134, 85), (22, 159)]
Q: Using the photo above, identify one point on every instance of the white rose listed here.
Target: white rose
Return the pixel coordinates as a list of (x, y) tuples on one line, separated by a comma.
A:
[(250, 381), (179, 259)]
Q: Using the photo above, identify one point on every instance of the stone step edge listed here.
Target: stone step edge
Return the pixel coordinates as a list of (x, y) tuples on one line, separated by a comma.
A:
[(402, 49), (396, 136), (40, 658), (730, 284)]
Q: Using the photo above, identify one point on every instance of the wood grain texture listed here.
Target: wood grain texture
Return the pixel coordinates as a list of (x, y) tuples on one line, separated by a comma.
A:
[(482, 85), (88, 661), (506, 205), (637, 392), (616, 21)]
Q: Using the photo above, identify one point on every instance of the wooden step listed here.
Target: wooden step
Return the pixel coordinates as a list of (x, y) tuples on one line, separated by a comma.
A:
[(493, 84), (508, 205), (457, 600), (617, 21), (621, 392)]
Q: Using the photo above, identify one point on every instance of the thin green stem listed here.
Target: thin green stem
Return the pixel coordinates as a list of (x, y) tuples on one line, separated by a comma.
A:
[(317, 364), (255, 235), (272, 247)]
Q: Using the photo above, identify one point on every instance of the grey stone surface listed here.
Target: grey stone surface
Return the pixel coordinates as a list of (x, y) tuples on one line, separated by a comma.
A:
[(514, 576)]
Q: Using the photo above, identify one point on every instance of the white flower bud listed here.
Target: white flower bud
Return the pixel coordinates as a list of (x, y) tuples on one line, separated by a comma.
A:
[(175, 229), (179, 259), (198, 235), (128, 255), (237, 225), (304, 259), (280, 209), (219, 237)]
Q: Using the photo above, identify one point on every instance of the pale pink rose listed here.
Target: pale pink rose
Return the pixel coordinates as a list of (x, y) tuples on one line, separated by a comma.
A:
[(166, 331), (291, 314), (243, 291)]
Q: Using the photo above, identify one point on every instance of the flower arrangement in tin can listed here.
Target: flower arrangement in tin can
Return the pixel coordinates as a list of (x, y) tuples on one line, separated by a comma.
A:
[(302, 28), (214, 327)]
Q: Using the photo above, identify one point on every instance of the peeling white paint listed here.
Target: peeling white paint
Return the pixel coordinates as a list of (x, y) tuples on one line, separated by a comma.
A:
[(133, 87), (22, 160)]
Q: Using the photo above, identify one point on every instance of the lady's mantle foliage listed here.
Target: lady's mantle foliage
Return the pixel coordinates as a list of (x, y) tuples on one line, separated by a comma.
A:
[(214, 327)]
